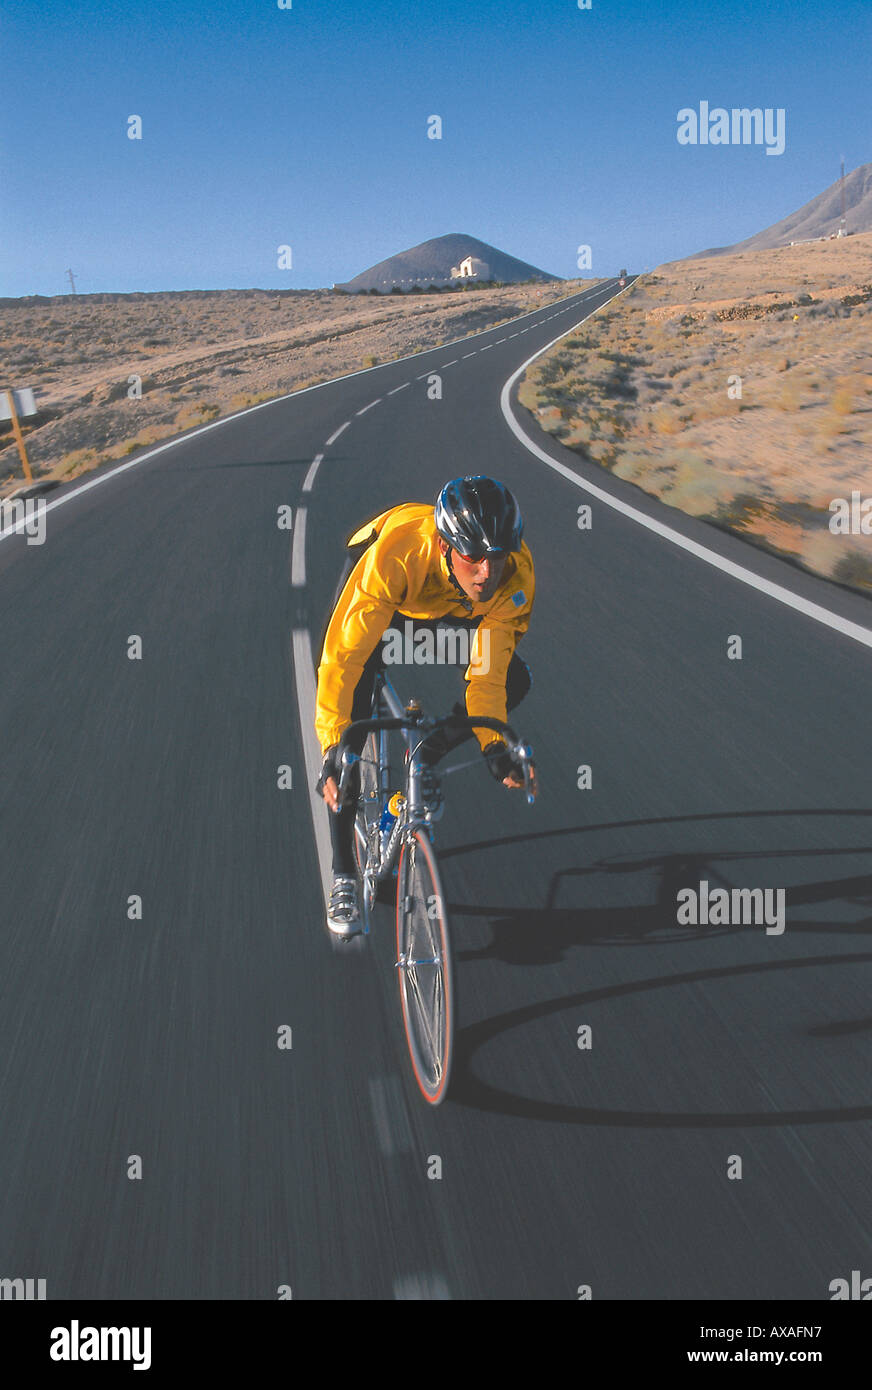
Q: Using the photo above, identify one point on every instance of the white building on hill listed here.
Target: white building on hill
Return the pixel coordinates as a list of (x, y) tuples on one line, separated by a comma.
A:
[(470, 268)]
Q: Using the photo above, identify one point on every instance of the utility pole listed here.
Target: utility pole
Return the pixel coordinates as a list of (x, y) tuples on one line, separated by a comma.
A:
[(72, 281), (842, 224)]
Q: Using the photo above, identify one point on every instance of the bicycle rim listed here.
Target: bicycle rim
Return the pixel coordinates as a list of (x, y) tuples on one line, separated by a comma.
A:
[(425, 968)]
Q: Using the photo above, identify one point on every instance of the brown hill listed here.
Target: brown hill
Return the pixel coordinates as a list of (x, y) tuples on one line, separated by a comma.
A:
[(818, 218)]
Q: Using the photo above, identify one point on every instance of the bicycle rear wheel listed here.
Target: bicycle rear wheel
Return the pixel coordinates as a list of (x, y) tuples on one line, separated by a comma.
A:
[(425, 968)]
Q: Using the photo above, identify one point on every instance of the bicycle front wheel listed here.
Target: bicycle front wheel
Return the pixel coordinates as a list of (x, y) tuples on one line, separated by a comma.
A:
[(425, 968)]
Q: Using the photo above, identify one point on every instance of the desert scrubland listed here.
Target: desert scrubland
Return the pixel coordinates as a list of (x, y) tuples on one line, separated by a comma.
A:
[(200, 355), (737, 388)]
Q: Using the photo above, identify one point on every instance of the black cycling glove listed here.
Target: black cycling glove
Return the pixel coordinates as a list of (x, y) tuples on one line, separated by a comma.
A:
[(330, 768), (500, 761)]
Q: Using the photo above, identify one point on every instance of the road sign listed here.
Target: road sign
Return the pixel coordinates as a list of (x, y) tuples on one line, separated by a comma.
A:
[(13, 404), (25, 404)]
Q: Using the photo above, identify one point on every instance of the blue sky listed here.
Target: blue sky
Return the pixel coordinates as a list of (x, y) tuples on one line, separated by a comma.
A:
[(308, 127)]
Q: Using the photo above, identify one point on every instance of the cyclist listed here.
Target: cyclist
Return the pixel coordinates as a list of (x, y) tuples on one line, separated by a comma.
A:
[(463, 561)]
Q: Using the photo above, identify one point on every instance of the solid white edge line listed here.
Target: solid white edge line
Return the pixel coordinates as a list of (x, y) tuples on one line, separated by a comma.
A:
[(313, 469), (745, 576), (304, 678), (298, 550), (250, 409)]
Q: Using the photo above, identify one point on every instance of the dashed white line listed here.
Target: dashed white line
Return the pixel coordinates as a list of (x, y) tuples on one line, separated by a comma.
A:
[(467, 354), (389, 1113), (298, 550), (304, 677), (498, 341), (487, 349), (336, 433), (453, 363), (399, 388), (250, 410), (421, 1288), (313, 469), (368, 407)]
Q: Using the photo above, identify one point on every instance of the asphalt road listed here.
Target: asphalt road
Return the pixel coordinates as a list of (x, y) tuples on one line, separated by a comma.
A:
[(308, 1166)]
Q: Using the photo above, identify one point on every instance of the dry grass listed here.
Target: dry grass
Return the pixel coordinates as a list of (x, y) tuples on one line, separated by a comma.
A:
[(648, 389)]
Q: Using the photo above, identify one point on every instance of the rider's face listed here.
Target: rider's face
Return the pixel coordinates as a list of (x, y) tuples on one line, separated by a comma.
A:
[(477, 578)]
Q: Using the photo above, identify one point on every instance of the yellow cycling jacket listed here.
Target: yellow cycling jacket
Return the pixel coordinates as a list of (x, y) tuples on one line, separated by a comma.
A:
[(403, 570)]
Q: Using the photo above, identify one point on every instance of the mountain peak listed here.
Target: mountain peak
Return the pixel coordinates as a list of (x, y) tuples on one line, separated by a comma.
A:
[(441, 261), (821, 217)]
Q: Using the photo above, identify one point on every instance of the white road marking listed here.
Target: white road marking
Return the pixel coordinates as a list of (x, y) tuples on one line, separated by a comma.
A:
[(498, 341), (298, 550), (399, 388), (486, 349), (468, 354), (421, 1288), (313, 469), (368, 407), (304, 679), (814, 611), (336, 433), (389, 1113)]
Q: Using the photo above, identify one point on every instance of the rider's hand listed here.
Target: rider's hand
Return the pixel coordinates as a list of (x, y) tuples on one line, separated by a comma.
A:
[(328, 782), (503, 767)]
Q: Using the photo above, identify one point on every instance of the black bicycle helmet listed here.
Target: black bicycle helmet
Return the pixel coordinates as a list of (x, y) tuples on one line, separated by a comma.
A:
[(479, 516)]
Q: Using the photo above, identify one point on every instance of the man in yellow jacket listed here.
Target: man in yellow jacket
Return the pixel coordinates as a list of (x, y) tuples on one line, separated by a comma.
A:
[(463, 562)]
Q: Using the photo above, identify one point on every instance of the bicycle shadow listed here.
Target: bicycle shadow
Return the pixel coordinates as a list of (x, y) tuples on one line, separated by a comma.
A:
[(542, 936), (536, 936)]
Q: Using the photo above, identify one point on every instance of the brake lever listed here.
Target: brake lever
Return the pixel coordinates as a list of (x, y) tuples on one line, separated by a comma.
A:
[(524, 754)]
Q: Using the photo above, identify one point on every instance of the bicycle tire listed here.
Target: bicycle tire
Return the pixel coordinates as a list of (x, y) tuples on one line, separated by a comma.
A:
[(426, 984)]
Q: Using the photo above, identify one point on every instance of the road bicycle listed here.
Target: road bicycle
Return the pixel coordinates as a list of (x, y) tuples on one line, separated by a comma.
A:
[(393, 833)]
